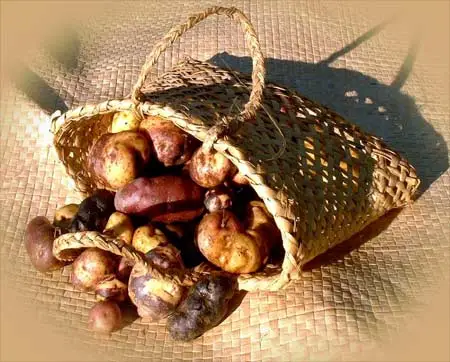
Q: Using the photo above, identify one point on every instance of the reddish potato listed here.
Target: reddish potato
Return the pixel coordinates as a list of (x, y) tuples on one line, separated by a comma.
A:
[(124, 269), (105, 317), (165, 199), (118, 158), (171, 145), (156, 299), (219, 198), (39, 237), (91, 267), (210, 169)]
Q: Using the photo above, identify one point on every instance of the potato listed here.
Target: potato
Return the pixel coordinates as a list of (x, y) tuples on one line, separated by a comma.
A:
[(154, 298), (172, 146), (164, 199), (219, 198), (147, 237), (118, 158), (91, 267), (210, 169), (205, 307), (240, 179), (65, 215), (124, 121), (124, 269), (39, 237), (222, 239), (111, 288), (93, 212), (260, 222), (120, 226), (105, 317)]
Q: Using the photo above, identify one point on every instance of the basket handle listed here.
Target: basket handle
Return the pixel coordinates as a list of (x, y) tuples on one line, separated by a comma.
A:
[(64, 246), (258, 73)]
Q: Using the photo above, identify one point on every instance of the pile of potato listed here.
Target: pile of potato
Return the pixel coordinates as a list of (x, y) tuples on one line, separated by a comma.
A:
[(176, 203)]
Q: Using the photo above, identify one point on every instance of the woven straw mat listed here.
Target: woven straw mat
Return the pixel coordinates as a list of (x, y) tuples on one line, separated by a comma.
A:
[(347, 301)]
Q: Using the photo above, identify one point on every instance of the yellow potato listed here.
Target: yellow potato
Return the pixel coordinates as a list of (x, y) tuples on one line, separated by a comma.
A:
[(120, 226), (147, 237), (118, 158), (124, 121), (64, 215)]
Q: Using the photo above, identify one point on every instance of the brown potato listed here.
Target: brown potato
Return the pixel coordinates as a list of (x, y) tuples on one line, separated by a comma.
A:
[(223, 240), (94, 212), (210, 169), (124, 121), (154, 298), (120, 226), (147, 237), (118, 158), (205, 307), (124, 269), (111, 288), (172, 146), (65, 215), (164, 199), (91, 267), (218, 198), (39, 237), (105, 317)]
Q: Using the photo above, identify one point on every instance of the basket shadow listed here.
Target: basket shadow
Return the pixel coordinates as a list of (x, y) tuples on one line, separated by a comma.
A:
[(37, 89), (379, 109)]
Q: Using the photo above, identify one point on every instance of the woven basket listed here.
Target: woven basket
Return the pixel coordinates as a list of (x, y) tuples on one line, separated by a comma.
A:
[(322, 178)]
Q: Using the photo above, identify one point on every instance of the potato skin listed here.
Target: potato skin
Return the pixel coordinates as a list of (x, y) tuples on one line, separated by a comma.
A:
[(204, 308), (171, 145), (260, 222), (111, 288), (124, 269), (147, 237), (156, 299), (164, 199), (119, 226), (39, 237), (209, 169), (91, 267), (124, 121), (118, 158), (218, 198), (64, 216), (223, 240), (105, 317)]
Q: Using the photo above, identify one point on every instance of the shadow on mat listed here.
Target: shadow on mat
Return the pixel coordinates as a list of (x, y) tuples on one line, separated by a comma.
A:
[(64, 47), (380, 109)]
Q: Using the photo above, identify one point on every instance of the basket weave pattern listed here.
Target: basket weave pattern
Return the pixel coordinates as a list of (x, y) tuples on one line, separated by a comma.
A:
[(322, 178)]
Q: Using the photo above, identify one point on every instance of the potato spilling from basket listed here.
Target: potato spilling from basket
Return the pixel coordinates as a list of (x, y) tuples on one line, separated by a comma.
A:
[(177, 204)]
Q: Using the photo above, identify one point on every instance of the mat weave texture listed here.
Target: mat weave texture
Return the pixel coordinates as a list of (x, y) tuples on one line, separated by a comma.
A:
[(347, 301)]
